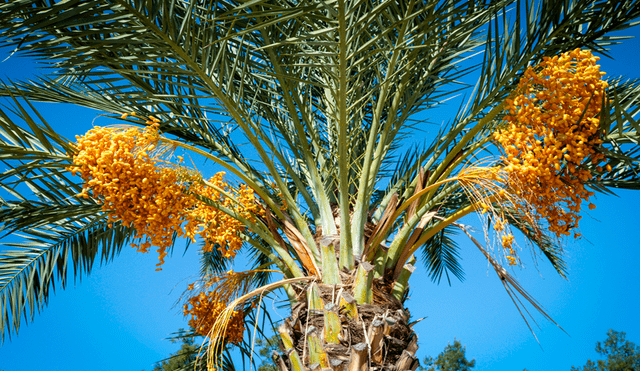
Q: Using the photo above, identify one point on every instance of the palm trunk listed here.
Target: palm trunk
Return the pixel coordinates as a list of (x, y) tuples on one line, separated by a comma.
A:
[(329, 330)]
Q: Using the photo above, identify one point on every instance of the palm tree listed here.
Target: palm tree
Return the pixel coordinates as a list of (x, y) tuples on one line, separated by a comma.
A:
[(326, 94)]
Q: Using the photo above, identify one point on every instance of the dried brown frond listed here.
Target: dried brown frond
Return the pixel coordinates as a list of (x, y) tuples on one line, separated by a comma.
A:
[(513, 288)]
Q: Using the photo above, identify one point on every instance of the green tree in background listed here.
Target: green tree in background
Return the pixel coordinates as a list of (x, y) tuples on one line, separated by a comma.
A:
[(452, 358), (266, 349), (621, 355), (311, 108), (184, 359)]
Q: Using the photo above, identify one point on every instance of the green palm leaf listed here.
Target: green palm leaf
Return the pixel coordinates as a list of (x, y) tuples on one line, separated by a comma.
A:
[(51, 233)]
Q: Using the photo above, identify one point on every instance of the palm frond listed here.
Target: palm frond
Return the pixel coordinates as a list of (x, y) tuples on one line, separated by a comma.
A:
[(621, 129), (30, 269), (213, 262), (53, 230), (441, 255)]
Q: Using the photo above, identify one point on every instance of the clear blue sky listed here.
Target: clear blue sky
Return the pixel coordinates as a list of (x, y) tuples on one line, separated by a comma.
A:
[(120, 316)]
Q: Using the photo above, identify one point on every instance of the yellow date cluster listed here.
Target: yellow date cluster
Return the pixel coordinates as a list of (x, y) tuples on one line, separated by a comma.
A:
[(122, 168), (551, 132), (221, 229), (205, 308)]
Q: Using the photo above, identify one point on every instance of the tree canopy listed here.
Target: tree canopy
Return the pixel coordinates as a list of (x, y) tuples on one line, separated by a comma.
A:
[(330, 203), (184, 359), (621, 354), (452, 358)]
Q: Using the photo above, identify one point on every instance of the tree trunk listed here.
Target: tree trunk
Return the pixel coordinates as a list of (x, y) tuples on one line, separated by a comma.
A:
[(328, 330)]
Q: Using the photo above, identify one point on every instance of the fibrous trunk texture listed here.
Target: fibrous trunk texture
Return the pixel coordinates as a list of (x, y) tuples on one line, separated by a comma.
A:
[(329, 330)]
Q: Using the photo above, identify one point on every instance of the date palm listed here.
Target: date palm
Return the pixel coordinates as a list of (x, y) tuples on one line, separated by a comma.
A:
[(326, 93)]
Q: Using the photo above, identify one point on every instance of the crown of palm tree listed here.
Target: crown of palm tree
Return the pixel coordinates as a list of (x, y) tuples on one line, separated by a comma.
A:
[(327, 94)]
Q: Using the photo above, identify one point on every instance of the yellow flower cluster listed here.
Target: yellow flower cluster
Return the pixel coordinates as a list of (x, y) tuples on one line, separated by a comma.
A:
[(205, 308), (123, 169), (552, 131)]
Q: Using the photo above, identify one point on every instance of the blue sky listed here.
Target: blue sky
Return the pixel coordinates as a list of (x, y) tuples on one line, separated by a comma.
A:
[(120, 316)]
